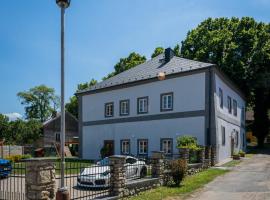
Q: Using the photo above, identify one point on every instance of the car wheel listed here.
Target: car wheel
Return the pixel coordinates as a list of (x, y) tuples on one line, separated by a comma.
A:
[(143, 172)]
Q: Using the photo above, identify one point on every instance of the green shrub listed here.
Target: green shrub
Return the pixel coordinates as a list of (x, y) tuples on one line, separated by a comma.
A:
[(187, 141), (178, 170), (17, 158)]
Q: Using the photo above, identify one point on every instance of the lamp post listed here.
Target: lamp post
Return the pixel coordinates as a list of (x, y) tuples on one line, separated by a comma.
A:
[(63, 4)]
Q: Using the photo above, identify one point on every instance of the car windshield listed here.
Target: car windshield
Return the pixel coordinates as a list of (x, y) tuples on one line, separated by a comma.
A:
[(104, 162)]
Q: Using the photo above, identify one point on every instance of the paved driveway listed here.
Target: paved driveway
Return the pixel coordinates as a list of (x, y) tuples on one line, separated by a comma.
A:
[(248, 181)]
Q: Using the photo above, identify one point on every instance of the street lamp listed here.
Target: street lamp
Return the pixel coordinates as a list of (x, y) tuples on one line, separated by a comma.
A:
[(63, 4)]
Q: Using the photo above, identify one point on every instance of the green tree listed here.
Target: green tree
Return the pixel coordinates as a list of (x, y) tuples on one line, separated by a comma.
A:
[(157, 51), (124, 64), (72, 105), (241, 48), (40, 102), (4, 126)]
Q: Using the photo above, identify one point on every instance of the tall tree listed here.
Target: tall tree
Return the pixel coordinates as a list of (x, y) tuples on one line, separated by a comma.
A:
[(241, 48), (72, 105), (4, 126), (157, 51), (124, 64), (40, 102)]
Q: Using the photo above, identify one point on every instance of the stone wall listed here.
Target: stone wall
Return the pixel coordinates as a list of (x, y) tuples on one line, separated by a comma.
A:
[(40, 180)]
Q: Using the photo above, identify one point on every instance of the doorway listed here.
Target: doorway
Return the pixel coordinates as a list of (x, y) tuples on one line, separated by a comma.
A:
[(109, 145), (232, 146)]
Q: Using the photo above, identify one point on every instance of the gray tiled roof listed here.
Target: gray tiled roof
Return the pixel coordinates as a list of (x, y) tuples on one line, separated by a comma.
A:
[(150, 69)]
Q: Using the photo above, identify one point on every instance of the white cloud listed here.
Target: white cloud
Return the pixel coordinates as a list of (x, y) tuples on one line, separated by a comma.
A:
[(13, 116)]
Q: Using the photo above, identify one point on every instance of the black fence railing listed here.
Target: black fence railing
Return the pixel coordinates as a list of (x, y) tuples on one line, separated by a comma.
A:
[(138, 169), (12, 180), (85, 180)]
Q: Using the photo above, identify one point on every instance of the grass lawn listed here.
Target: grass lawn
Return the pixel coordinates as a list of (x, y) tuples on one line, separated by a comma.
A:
[(72, 167), (231, 163), (190, 184)]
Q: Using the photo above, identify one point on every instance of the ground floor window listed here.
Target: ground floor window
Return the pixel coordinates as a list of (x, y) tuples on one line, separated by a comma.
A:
[(223, 132), (237, 138), (142, 146), (166, 145), (57, 137), (125, 147)]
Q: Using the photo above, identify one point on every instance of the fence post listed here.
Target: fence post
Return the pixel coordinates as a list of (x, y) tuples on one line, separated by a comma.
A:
[(184, 154), (213, 156), (40, 179), (117, 179), (201, 155), (157, 162)]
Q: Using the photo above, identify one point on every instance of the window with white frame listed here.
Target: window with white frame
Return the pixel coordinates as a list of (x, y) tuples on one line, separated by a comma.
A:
[(234, 107), (142, 105), (166, 101), (124, 107), (223, 135), (142, 146), (109, 109), (125, 147), (166, 146), (220, 98), (229, 99)]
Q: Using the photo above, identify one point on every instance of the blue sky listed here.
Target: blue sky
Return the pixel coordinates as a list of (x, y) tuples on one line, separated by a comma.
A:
[(98, 33)]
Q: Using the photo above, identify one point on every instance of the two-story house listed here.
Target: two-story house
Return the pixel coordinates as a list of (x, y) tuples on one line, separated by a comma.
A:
[(146, 108)]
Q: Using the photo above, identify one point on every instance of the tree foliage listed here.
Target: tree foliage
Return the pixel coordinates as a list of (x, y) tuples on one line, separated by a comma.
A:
[(241, 48), (40, 102), (19, 132), (124, 64), (157, 51)]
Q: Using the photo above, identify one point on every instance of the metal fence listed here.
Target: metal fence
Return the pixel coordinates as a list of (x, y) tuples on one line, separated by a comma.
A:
[(137, 168), (12, 181), (85, 180)]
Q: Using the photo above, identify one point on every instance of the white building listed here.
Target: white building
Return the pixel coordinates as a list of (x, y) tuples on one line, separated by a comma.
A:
[(136, 112)]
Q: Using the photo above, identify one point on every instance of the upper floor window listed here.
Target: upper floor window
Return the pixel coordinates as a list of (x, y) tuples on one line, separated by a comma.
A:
[(142, 146), (109, 109), (220, 97), (229, 99), (142, 105), (223, 135), (234, 107), (166, 146), (166, 102), (124, 107), (125, 147)]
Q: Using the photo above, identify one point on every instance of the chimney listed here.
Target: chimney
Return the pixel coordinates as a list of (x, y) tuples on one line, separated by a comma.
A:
[(169, 53)]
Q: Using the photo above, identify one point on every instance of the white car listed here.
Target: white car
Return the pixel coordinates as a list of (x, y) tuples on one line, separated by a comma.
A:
[(98, 175)]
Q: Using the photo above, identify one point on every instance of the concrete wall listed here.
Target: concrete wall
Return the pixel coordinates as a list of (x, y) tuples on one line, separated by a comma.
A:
[(94, 136), (10, 150), (228, 120)]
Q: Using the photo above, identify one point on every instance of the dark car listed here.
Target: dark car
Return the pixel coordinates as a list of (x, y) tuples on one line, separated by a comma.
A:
[(5, 168)]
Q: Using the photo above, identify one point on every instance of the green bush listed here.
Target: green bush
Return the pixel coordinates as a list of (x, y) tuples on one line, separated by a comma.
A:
[(178, 170), (17, 158), (187, 141)]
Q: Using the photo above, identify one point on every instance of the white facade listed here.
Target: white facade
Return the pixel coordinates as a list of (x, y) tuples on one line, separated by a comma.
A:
[(188, 117), (234, 124)]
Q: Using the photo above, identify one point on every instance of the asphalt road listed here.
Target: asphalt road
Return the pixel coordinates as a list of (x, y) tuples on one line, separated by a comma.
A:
[(248, 181)]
